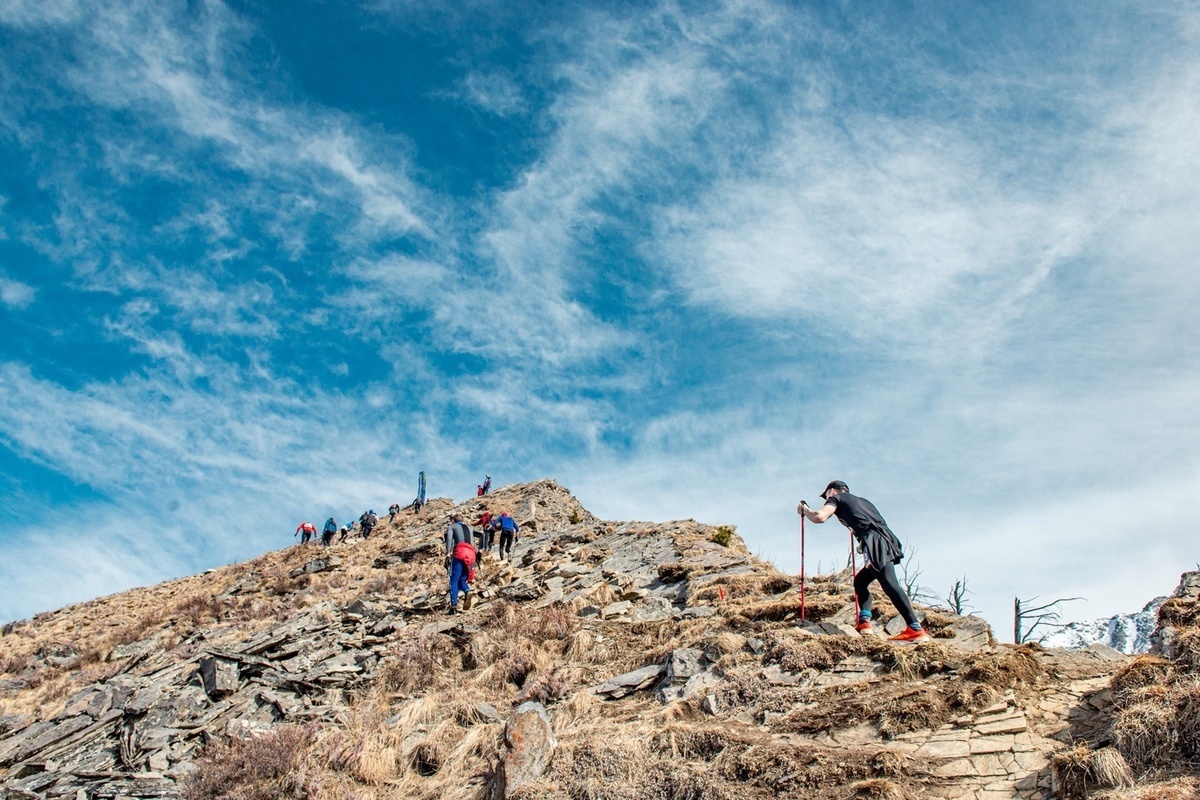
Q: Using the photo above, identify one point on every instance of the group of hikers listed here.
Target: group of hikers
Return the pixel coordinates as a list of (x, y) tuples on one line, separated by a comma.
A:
[(880, 547), (364, 525), (464, 545)]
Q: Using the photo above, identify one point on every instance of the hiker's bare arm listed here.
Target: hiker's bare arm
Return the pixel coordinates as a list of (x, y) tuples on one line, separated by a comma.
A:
[(818, 516)]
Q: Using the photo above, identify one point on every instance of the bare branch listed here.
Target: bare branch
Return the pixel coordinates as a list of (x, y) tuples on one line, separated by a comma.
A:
[(1045, 616), (957, 598)]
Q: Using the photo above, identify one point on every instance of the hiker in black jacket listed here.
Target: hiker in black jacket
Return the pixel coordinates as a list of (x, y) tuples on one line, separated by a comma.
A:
[(882, 551), (367, 522)]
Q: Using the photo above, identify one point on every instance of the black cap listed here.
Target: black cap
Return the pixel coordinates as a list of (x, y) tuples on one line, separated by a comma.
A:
[(839, 485)]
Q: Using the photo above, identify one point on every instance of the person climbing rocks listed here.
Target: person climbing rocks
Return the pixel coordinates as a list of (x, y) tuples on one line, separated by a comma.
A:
[(882, 550), (460, 561), (485, 528), (392, 512), (345, 531), (327, 534), (509, 530), (367, 522), (487, 484), (308, 529)]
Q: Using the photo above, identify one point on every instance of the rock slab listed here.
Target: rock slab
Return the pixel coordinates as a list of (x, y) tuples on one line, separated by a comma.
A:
[(528, 747)]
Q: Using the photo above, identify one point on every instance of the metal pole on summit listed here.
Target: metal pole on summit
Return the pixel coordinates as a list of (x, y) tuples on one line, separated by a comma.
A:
[(803, 603)]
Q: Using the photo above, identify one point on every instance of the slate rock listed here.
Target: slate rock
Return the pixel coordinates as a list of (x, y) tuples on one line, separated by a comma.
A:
[(630, 682), (316, 565), (220, 676), (654, 609), (529, 745), (134, 649)]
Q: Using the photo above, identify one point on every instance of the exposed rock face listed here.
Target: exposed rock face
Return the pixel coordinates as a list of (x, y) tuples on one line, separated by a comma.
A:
[(722, 643), (528, 747)]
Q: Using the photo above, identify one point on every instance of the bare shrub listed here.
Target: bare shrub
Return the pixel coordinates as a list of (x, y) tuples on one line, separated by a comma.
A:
[(1109, 769), (875, 789), (546, 689), (1147, 735), (1069, 772), (1187, 649), (1140, 672), (10, 665), (409, 668), (1179, 612), (1006, 669), (820, 652), (1188, 716), (259, 768), (917, 708)]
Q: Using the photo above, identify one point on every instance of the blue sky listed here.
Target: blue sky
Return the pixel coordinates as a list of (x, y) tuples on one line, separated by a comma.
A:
[(261, 262)]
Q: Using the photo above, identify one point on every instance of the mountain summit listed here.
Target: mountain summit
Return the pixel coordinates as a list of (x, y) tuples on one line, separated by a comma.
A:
[(606, 660)]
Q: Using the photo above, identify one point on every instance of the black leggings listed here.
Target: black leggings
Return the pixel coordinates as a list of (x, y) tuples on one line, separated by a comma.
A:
[(506, 543), (891, 587)]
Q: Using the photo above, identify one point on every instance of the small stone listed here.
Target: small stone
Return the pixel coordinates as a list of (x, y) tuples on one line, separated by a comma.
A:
[(1014, 724)]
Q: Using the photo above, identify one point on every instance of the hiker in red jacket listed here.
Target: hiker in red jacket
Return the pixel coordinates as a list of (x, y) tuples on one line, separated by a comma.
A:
[(460, 561), (880, 547), (308, 529), (487, 531)]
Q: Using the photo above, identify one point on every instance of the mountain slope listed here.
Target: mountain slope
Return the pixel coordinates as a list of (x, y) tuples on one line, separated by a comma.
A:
[(609, 660)]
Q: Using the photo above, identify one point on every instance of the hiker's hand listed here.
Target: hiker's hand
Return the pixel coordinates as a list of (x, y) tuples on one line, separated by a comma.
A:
[(800, 508), (446, 562)]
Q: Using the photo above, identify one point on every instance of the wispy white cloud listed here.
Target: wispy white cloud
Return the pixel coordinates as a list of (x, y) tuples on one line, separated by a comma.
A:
[(495, 92), (15, 294)]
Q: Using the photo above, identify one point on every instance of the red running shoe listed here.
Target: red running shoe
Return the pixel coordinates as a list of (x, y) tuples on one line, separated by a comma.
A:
[(911, 636), (863, 626)]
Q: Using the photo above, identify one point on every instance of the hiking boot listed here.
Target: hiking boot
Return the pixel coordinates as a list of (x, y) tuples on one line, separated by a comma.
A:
[(911, 636), (468, 600), (452, 610), (863, 626)]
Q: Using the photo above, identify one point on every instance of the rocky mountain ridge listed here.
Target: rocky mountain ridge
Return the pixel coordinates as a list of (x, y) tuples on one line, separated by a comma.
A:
[(607, 660), (1128, 633)]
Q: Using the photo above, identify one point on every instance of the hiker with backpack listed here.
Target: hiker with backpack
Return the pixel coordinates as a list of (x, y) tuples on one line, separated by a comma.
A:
[(327, 534), (367, 522), (486, 530), (509, 529), (308, 529), (460, 561), (881, 549), (392, 512)]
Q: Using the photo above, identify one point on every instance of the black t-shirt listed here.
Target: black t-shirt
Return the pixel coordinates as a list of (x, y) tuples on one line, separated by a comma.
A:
[(861, 516), (857, 513)]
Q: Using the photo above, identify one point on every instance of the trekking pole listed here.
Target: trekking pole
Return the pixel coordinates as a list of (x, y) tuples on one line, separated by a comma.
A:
[(803, 603), (853, 575)]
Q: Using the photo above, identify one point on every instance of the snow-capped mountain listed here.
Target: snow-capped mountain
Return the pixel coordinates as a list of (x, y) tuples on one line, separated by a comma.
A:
[(1129, 633)]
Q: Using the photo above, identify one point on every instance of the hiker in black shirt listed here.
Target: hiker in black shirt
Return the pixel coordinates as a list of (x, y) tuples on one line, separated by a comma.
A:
[(882, 550)]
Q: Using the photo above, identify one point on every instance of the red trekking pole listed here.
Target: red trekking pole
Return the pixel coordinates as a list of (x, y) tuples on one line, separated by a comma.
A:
[(803, 604), (853, 575)]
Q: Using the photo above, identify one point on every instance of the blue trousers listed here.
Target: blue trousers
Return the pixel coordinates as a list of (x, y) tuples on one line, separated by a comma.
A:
[(458, 580)]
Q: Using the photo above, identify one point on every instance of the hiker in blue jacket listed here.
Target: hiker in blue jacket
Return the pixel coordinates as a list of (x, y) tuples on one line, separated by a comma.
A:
[(882, 550), (327, 534), (509, 529)]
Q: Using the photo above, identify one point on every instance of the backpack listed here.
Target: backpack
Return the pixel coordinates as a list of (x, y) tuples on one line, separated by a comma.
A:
[(465, 552)]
